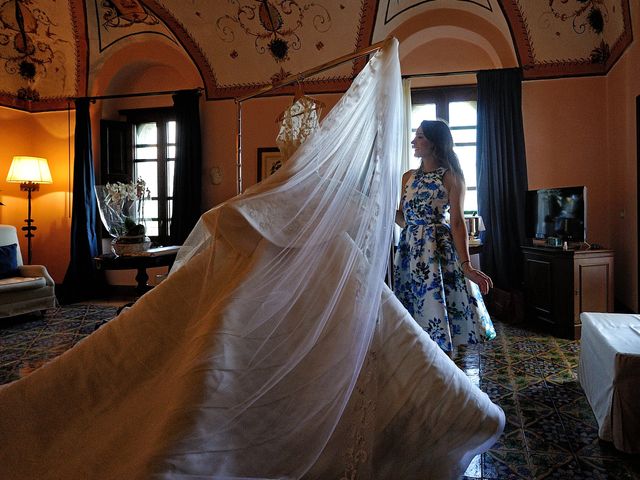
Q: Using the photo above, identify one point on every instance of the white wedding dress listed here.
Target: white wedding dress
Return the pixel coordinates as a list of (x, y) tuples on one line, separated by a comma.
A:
[(273, 350), (299, 121)]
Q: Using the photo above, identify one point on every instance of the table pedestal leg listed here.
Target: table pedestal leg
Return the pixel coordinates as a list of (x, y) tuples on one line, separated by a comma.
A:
[(142, 279)]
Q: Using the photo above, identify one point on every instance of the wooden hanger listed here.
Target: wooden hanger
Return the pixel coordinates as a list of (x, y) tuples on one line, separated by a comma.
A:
[(299, 92)]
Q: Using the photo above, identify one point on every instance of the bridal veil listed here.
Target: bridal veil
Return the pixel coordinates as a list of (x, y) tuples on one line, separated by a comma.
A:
[(310, 247)]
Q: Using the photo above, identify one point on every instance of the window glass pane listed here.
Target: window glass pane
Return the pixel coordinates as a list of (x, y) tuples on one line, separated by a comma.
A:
[(171, 132), (464, 135), (151, 209), (148, 171), (171, 151), (152, 228), (146, 133), (170, 170), (471, 201), (422, 112), (146, 153), (169, 210), (467, 157), (462, 114)]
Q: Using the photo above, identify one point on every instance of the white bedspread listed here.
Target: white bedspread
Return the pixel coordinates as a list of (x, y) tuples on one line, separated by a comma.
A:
[(609, 373)]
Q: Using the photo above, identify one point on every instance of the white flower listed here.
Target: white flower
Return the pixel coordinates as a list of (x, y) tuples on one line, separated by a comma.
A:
[(119, 201)]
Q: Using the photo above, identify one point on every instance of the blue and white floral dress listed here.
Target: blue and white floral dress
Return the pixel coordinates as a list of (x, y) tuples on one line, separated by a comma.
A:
[(428, 279)]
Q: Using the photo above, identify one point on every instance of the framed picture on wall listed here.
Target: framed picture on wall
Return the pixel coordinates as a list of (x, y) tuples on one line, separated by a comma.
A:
[(269, 161)]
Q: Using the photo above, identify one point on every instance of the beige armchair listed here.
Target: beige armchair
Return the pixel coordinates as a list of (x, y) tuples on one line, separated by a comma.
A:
[(30, 289)]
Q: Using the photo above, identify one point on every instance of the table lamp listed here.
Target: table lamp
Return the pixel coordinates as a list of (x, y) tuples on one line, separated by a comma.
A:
[(29, 172)]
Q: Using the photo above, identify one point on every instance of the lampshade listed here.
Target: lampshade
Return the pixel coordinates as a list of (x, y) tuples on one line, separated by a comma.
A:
[(29, 169)]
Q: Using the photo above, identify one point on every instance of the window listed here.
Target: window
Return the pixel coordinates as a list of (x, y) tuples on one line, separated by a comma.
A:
[(153, 159), (458, 107)]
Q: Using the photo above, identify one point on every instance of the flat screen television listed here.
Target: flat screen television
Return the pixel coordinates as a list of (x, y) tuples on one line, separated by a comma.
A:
[(557, 212)]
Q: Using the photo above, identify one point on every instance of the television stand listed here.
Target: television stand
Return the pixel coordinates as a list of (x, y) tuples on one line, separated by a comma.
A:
[(560, 284)]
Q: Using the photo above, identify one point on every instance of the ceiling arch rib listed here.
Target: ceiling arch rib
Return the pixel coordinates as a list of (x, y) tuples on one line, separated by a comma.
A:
[(427, 35), (464, 25)]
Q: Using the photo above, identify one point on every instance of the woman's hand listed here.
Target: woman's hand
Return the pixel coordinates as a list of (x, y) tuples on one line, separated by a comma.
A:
[(478, 277)]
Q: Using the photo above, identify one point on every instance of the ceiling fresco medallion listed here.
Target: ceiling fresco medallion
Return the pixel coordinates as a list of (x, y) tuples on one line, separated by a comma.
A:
[(585, 16), (275, 25), (118, 20), (242, 45), (27, 44), (124, 13), (39, 53), (568, 37)]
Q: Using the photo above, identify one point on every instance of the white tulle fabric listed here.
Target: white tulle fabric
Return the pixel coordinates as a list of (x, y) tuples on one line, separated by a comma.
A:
[(302, 310), (273, 350)]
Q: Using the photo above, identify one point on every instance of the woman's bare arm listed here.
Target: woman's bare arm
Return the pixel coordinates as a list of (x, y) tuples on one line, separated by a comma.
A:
[(399, 215), (456, 189)]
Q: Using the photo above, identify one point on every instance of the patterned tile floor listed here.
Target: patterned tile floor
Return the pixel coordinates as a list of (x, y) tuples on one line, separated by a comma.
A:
[(28, 342), (551, 432)]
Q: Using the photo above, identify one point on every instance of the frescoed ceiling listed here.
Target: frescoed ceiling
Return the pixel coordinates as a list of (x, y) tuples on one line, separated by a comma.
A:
[(568, 37), (50, 49), (42, 53), (240, 45)]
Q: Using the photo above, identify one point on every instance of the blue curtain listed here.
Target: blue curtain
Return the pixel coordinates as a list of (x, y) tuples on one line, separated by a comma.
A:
[(187, 189), (502, 174), (82, 280)]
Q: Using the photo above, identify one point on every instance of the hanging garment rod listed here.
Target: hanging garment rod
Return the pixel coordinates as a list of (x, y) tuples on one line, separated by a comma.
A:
[(141, 94), (288, 81), (315, 70)]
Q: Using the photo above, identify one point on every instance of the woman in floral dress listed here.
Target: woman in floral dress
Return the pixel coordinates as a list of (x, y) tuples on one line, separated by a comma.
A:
[(433, 275)]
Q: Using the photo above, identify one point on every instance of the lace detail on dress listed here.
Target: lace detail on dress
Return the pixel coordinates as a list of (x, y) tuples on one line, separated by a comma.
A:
[(300, 120), (359, 451)]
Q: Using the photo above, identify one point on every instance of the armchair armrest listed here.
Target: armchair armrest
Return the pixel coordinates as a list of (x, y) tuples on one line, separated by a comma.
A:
[(36, 271)]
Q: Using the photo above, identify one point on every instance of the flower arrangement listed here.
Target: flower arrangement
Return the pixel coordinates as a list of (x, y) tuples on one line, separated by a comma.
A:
[(122, 207)]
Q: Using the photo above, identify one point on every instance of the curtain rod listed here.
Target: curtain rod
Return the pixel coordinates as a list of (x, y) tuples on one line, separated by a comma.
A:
[(440, 74), (462, 72), (315, 70), (141, 94)]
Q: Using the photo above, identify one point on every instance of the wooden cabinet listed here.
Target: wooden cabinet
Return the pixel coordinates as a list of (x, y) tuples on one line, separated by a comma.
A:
[(559, 285)]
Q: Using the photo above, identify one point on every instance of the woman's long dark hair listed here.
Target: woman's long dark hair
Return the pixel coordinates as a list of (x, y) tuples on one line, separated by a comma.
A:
[(439, 134)]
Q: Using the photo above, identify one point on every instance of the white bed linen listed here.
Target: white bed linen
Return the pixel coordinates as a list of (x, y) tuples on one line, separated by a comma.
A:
[(609, 372)]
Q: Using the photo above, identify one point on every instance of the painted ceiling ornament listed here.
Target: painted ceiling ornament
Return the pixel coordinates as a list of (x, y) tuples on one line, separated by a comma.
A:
[(279, 76), (582, 13), (124, 13), (26, 42), (273, 23), (585, 14)]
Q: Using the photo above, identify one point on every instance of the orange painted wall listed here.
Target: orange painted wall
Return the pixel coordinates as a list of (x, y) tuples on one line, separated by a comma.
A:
[(622, 88), (42, 135), (565, 135), (259, 129)]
